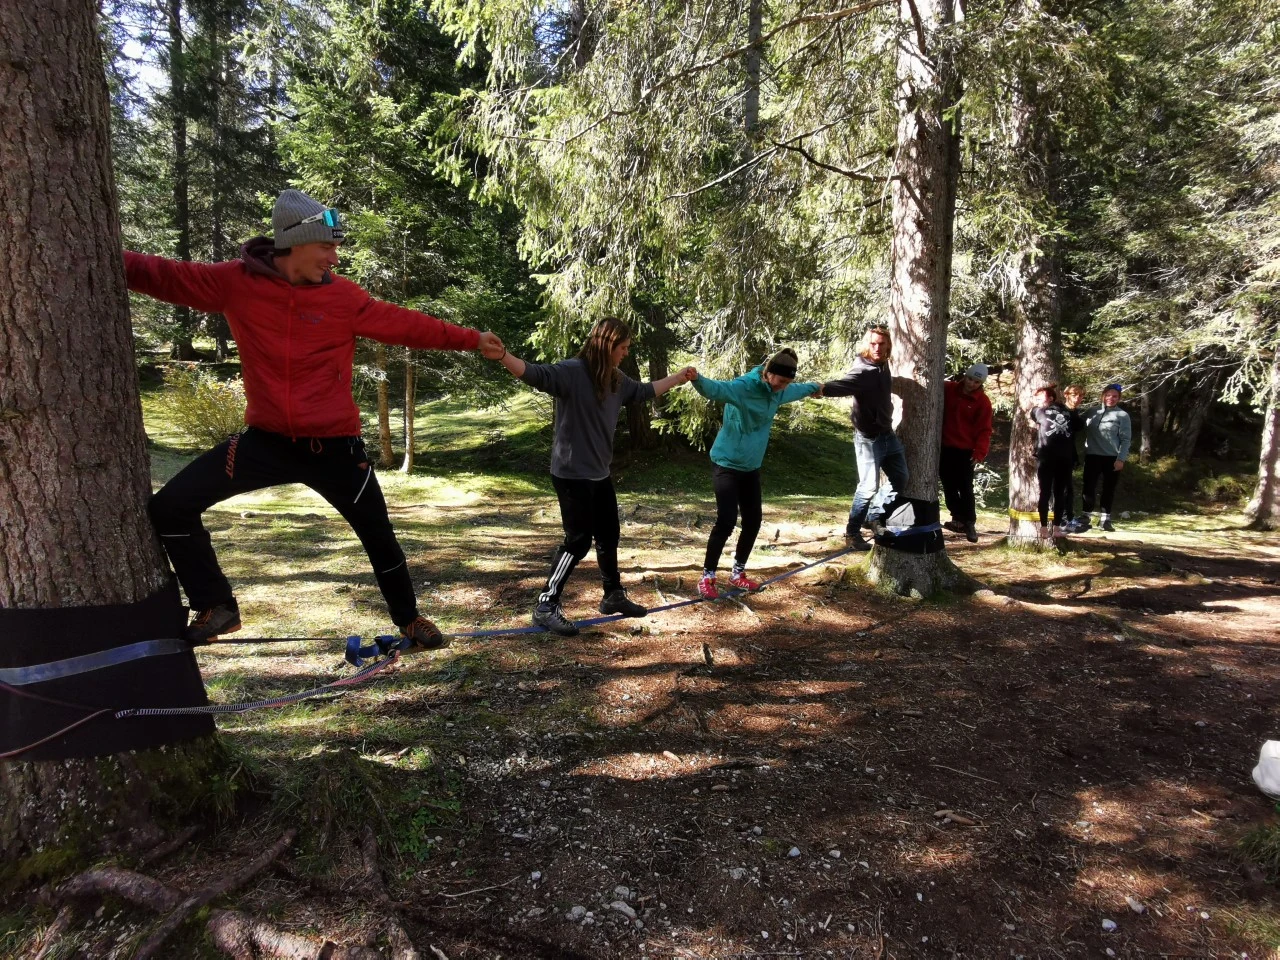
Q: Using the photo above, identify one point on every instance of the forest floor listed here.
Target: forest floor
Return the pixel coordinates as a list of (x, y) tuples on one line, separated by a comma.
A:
[(1057, 767)]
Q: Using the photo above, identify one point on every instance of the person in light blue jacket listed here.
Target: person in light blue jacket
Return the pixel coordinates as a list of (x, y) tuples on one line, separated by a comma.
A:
[(1108, 433), (751, 401)]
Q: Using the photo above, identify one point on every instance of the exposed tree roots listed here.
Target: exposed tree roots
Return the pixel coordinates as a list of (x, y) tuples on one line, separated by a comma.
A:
[(235, 933)]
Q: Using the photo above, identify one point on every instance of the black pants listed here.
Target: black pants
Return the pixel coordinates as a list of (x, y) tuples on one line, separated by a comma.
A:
[(1054, 474), (736, 490), (588, 511), (337, 468), (1098, 467), (955, 470)]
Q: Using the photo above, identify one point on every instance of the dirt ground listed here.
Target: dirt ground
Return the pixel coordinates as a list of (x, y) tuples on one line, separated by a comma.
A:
[(1059, 767)]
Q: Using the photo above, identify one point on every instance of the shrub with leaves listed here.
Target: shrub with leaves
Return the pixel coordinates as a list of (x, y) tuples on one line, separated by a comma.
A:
[(207, 410)]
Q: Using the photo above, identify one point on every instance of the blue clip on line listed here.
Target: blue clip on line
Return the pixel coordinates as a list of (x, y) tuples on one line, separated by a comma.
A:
[(382, 646)]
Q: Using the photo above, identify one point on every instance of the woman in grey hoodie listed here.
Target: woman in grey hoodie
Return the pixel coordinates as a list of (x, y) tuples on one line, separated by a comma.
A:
[(589, 391), (1108, 433)]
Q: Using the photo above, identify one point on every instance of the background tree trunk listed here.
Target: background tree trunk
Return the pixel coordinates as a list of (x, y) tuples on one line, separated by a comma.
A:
[(386, 456), (181, 348), (1144, 418), (1201, 400), (74, 470), (1264, 509), (410, 410), (924, 202), (639, 424)]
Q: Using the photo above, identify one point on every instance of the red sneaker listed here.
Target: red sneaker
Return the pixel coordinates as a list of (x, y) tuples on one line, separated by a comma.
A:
[(743, 582), (707, 587)]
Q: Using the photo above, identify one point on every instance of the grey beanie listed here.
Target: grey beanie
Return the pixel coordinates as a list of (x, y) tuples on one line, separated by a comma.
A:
[(294, 206), (978, 371)]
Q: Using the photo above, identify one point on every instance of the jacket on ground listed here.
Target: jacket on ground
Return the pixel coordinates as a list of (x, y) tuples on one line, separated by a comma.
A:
[(750, 405), (296, 343)]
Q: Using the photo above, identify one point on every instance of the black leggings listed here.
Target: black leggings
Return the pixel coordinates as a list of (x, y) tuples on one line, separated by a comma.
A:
[(1100, 468), (588, 511), (337, 468), (736, 490), (1054, 475), (955, 470)]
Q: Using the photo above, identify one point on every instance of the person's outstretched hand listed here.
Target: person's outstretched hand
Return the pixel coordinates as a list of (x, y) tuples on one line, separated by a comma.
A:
[(688, 373), (490, 346)]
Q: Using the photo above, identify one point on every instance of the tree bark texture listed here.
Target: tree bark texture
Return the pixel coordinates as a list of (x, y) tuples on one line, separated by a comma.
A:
[(74, 470), (1144, 418), (386, 453), (924, 200), (751, 103), (640, 432), (1264, 509)]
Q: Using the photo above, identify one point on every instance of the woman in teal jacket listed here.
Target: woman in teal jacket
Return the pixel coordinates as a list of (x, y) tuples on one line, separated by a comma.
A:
[(750, 403)]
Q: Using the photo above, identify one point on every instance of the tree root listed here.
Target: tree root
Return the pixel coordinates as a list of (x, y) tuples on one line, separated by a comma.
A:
[(243, 937), (160, 851), (202, 897), (918, 575), (401, 946), (236, 934)]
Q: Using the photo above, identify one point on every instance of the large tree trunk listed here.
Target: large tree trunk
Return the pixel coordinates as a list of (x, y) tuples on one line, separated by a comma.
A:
[(386, 453), (1264, 509), (751, 103), (74, 483), (1144, 424), (924, 202), (221, 53), (1037, 310), (181, 348)]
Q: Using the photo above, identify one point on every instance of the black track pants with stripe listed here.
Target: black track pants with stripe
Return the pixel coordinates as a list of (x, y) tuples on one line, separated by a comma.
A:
[(589, 511), (337, 468)]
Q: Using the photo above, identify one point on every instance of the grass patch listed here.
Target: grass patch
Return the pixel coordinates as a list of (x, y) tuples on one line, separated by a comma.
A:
[(1262, 846)]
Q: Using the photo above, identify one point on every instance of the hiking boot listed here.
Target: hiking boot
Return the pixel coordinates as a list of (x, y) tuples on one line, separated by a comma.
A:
[(971, 532), (424, 635), (617, 601), (552, 618), (1079, 525), (855, 540), (742, 582), (707, 587), (955, 526), (1107, 526), (207, 625)]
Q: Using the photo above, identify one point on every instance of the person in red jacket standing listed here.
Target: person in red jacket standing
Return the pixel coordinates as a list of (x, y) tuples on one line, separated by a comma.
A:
[(295, 324), (966, 439)]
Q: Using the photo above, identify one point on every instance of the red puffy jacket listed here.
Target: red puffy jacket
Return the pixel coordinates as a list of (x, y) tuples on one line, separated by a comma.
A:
[(296, 343), (966, 420)]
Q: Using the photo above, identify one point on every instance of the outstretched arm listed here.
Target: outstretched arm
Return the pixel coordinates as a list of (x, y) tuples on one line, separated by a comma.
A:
[(666, 383), (199, 286), (515, 366)]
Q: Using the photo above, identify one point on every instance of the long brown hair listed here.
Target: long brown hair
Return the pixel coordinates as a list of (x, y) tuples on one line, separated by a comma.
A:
[(864, 345), (597, 354)]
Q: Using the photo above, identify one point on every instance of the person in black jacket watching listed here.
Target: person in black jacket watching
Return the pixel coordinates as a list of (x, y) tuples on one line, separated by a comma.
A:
[(875, 446), (1056, 427)]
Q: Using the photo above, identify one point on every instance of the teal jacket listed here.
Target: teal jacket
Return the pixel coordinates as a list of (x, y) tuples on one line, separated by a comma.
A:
[(1108, 433), (749, 408)]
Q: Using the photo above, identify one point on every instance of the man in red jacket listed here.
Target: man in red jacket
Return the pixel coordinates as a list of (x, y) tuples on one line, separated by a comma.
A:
[(295, 324), (966, 439)]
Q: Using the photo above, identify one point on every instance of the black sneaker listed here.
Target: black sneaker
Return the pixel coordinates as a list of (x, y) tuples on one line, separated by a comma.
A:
[(971, 532), (617, 601), (553, 619), (424, 635), (1107, 526), (207, 625), (1079, 525), (955, 526)]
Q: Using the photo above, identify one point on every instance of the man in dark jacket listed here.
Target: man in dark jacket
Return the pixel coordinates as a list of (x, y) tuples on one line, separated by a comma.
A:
[(875, 446), (295, 324), (966, 439)]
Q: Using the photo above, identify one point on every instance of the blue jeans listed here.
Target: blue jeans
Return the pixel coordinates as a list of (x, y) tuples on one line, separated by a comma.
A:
[(873, 454)]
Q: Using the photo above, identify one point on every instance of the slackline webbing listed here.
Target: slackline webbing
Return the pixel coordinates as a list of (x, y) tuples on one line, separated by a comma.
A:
[(911, 531), (41, 672), (391, 655), (1024, 515)]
